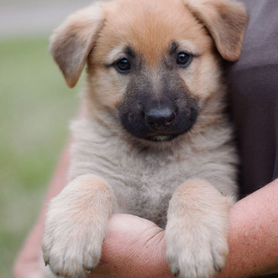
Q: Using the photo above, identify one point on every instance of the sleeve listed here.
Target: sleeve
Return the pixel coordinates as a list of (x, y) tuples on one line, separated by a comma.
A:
[(253, 88)]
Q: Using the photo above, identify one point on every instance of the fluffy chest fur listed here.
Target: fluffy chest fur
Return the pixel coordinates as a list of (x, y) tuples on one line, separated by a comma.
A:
[(144, 179)]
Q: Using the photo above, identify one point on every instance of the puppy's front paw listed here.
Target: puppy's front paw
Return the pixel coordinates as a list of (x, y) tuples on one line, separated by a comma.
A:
[(75, 229), (199, 252), (71, 251), (196, 231)]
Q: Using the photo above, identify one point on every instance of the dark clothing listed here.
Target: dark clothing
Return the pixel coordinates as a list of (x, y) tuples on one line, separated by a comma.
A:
[(253, 89)]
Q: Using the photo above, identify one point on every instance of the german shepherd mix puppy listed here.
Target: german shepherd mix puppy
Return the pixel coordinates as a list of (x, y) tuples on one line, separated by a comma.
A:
[(153, 138)]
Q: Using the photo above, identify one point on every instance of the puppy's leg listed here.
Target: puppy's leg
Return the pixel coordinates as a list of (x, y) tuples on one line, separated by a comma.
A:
[(196, 231), (75, 226)]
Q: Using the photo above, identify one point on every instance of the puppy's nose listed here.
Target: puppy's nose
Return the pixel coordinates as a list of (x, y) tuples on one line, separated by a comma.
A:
[(160, 117)]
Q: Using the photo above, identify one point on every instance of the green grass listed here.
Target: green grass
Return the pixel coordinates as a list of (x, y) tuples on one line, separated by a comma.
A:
[(35, 107)]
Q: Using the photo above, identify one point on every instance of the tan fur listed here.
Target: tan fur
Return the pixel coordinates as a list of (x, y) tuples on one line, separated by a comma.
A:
[(187, 217), (73, 40), (82, 210), (226, 21), (111, 171)]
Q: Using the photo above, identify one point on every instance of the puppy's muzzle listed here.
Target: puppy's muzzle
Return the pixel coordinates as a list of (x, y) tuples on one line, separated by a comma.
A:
[(153, 114), (160, 120)]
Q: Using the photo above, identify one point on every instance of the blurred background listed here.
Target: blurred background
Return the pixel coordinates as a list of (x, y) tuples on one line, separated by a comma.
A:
[(35, 109)]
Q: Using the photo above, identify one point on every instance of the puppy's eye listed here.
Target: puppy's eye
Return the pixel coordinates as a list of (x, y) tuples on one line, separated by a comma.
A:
[(122, 65), (184, 59)]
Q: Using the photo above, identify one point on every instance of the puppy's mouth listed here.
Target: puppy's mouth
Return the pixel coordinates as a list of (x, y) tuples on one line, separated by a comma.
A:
[(161, 138)]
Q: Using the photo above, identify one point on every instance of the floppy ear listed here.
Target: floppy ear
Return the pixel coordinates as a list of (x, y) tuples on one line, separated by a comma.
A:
[(226, 22), (71, 42)]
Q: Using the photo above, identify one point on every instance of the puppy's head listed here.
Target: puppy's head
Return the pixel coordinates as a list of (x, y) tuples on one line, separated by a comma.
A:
[(152, 64)]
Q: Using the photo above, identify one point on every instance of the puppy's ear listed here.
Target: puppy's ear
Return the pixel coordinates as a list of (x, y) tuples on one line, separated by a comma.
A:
[(226, 22), (71, 42)]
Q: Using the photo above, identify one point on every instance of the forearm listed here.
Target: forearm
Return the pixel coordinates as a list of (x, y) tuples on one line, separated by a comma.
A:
[(253, 234)]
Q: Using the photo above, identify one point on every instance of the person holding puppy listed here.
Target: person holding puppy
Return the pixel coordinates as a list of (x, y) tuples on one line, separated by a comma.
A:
[(136, 247)]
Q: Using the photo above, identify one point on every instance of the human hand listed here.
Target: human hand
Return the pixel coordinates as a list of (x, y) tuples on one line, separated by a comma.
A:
[(133, 247)]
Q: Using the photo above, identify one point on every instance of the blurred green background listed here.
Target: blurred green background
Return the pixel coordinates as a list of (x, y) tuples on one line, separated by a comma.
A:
[(35, 110), (35, 107)]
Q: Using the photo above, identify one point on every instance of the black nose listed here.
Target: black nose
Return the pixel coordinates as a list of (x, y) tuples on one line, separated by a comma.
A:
[(160, 117)]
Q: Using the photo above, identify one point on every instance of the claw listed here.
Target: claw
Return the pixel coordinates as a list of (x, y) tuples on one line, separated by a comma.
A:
[(45, 258), (177, 273), (88, 270), (217, 268)]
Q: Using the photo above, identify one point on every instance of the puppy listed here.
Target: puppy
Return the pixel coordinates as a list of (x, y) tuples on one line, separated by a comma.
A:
[(153, 138)]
